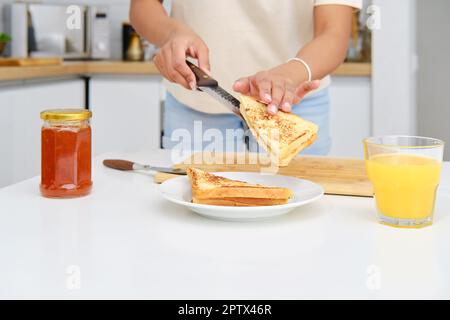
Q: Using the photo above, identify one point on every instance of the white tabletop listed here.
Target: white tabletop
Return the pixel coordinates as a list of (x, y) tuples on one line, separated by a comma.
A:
[(126, 241)]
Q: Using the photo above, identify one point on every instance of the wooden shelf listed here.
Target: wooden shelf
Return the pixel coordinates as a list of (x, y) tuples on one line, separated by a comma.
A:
[(130, 68), (77, 68), (354, 69)]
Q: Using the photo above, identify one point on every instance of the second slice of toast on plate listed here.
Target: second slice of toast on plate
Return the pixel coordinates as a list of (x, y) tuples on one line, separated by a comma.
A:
[(211, 189), (282, 135)]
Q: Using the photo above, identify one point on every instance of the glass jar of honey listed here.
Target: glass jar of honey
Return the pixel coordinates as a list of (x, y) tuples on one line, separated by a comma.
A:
[(66, 153)]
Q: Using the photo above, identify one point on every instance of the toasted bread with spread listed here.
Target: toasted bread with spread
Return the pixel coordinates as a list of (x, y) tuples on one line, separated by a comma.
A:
[(283, 135), (211, 189)]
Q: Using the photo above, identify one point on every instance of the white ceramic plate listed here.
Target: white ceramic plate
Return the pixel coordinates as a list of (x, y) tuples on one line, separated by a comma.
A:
[(178, 190)]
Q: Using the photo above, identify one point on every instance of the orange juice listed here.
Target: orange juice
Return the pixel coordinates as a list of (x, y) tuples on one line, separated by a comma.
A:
[(405, 185)]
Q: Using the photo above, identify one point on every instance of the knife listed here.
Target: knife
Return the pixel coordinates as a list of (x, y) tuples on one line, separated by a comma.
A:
[(125, 165), (210, 86)]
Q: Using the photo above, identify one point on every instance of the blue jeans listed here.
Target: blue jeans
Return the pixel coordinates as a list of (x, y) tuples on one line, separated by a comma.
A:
[(203, 128)]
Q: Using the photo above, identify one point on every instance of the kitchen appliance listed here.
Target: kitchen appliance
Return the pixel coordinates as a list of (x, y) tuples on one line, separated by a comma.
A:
[(70, 32), (338, 176)]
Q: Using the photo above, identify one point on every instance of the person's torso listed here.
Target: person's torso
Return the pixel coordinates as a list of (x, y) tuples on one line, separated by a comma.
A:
[(244, 37)]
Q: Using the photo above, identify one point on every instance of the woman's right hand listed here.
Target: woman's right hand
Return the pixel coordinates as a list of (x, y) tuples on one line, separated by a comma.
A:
[(171, 58)]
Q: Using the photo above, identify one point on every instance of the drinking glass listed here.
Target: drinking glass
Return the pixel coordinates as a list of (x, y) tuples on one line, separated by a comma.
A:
[(405, 173)]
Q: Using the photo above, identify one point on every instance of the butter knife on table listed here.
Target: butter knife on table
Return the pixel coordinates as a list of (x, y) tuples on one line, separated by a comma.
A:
[(125, 165)]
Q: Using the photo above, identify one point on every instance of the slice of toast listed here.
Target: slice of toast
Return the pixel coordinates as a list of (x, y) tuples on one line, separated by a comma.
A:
[(208, 188), (241, 202), (282, 135)]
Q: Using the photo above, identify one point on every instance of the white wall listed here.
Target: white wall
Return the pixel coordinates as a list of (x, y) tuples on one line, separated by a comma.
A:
[(350, 115), (434, 70), (126, 113)]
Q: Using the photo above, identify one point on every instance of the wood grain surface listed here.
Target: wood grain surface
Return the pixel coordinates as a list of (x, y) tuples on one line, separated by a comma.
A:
[(338, 176)]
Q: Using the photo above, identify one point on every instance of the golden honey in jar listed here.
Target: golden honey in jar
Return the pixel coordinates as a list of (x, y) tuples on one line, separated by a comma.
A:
[(66, 153)]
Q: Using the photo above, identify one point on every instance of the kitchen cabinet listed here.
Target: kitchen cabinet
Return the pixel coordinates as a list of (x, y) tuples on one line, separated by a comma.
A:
[(127, 116), (6, 124), (20, 104), (350, 115), (126, 113)]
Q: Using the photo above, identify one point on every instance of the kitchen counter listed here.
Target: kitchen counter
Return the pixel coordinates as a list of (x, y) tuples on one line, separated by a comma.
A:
[(126, 241), (81, 68), (85, 68)]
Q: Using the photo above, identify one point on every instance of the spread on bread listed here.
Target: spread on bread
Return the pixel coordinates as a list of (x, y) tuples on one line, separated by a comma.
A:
[(211, 189), (282, 135)]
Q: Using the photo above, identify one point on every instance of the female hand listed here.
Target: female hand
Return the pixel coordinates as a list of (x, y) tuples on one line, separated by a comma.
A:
[(171, 58), (279, 88)]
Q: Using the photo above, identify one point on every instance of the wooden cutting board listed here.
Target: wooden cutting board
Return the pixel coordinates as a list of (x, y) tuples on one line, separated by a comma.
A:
[(28, 62), (337, 176)]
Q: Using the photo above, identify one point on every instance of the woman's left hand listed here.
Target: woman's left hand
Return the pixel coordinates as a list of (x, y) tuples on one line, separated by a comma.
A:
[(279, 88)]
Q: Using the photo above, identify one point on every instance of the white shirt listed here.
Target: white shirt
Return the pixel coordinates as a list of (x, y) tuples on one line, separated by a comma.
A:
[(245, 37)]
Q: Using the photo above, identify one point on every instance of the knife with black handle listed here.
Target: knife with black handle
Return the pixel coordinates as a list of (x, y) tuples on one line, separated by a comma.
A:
[(210, 86)]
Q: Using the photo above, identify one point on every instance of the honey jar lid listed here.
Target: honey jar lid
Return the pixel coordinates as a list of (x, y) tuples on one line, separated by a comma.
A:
[(66, 114)]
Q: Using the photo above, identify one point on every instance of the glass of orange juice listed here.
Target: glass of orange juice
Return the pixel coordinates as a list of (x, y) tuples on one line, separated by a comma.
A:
[(405, 173)]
